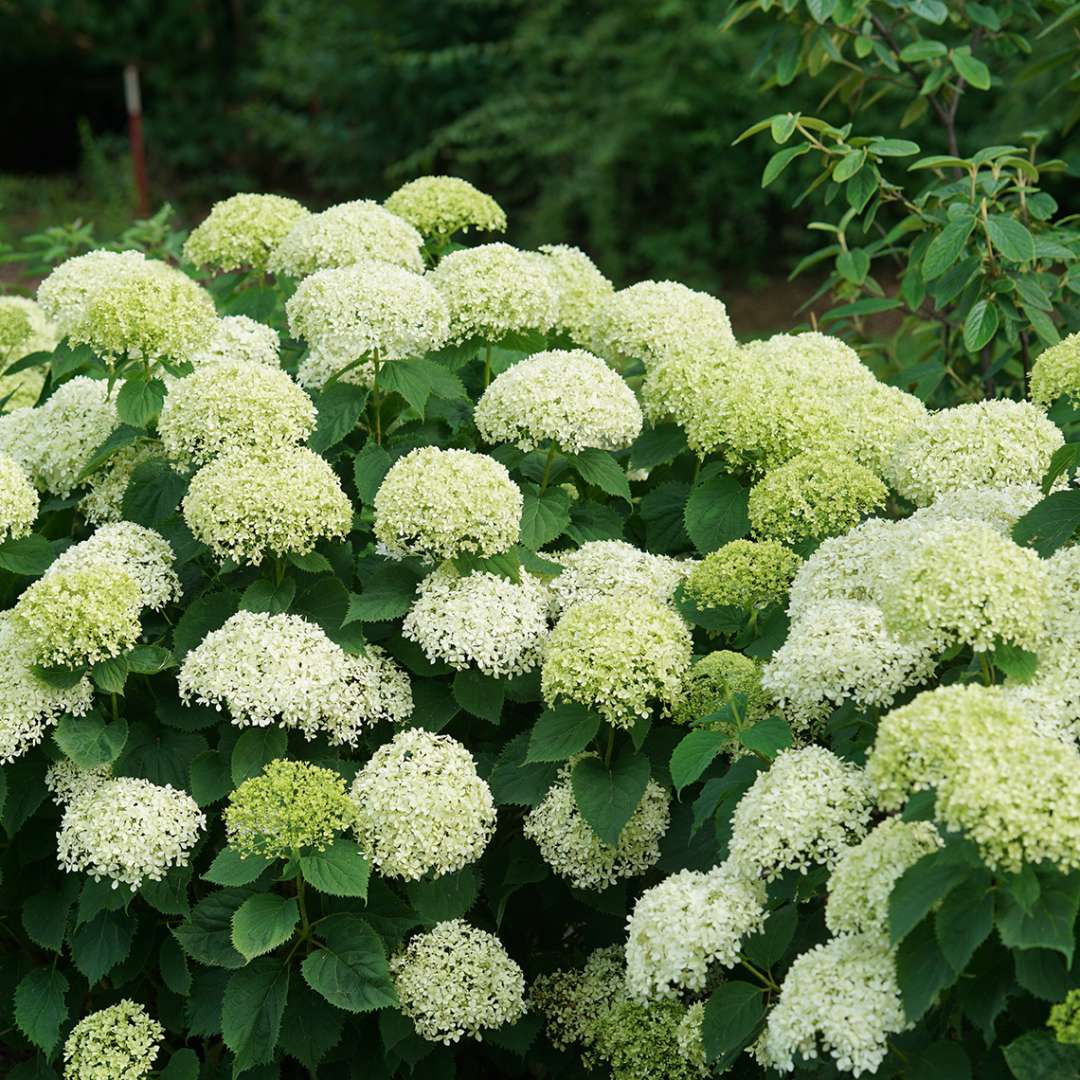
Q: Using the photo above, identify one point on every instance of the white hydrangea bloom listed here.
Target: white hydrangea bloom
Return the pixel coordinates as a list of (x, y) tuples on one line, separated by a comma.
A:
[(998, 507), (687, 922), (842, 998), (18, 499), (570, 846), (603, 568), (66, 293), (237, 337), (20, 437), (67, 782), (672, 389), (242, 230), (571, 398), (24, 329), (804, 810), (421, 807), (121, 1042), (582, 288), (281, 669), (481, 619), (440, 206), (455, 981), (128, 830)]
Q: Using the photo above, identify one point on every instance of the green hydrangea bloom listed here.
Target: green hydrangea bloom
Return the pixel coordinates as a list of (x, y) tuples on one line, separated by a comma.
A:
[(1064, 1019), (712, 683), (641, 1042), (440, 206), (117, 1043), (1056, 372), (745, 574), (242, 231)]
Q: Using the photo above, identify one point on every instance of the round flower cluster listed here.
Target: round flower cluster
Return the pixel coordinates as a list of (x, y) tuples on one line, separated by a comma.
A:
[(267, 669), (672, 390), (1013, 791), (981, 444), (1000, 508), (28, 706), (815, 494), (605, 568), (441, 503), (1056, 372), (440, 206), (241, 231), (582, 289), (861, 883), (641, 1042), (345, 234), (621, 656), (117, 1043), (1064, 1019), (81, 614), (18, 499), (714, 682), (842, 995), (67, 782), (456, 980), (24, 329), (657, 321), (804, 810), (233, 404), (570, 398), (494, 290), (746, 574), (572, 849), (368, 309), (289, 808), (104, 501), (420, 806), (965, 583), (837, 651), (236, 337), (127, 830), (244, 505), (480, 618), (687, 922), (144, 554), (66, 293)]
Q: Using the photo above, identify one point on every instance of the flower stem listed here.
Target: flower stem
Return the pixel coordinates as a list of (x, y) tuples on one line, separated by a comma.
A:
[(376, 400), (487, 365), (547, 468)]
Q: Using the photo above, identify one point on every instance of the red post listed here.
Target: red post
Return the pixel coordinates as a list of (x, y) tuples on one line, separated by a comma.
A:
[(133, 100)]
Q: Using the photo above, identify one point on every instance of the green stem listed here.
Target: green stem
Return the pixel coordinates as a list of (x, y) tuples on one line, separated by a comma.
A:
[(305, 925), (115, 707), (987, 670), (761, 976), (610, 747), (279, 569), (487, 365), (376, 400), (547, 468)]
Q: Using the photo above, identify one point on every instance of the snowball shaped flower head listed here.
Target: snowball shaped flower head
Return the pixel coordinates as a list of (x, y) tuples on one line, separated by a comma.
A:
[(68, 289), (117, 1043), (67, 782), (29, 706), (1056, 372), (128, 830), (746, 574), (570, 398), (18, 499), (143, 553), (687, 922), (236, 337), (1064, 1019), (602, 568), (717, 680), (999, 507), (494, 290), (582, 288), (244, 505), (266, 669), (233, 404), (641, 1042), (1013, 791), (241, 231), (480, 618), (572, 849), (965, 583), (654, 321), (24, 329), (104, 501), (622, 656), (346, 234), (842, 998), (815, 494), (456, 980), (674, 389), (865, 874), (441, 503), (289, 808), (981, 444), (841, 650), (368, 309), (421, 807), (440, 206), (66, 431), (804, 810), (81, 614)]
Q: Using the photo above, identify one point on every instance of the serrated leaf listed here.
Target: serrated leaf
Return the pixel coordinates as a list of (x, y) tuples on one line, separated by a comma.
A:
[(767, 737), (657, 446), (561, 732), (211, 777), (205, 614), (139, 401), (183, 1065), (350, 968), (732, 1015), (173, 964), (340, 870), (90, 740), (922, 971), (1037, 1055), (389, 595), (608, 797), (27, 556), (370, 466), (544, 516), (963, 924), (44, 918), (268, 596), (311, 1026), (231, 868), (716, 510), (447, 897), (512, 782), (599, 468), (251, 1011), (1050, 921), (1019, 664), (170, 894), (695, 753), (153, 493), (262, 923), (255, 749), (41, 1007), (1049, 524), (149, 659), (925, 883), (339, 408), (980, 325), (479, 695), (101, 944), (206, 934)]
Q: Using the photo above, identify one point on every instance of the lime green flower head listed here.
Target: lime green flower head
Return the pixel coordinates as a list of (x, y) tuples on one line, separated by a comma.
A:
[(746, 574), (117, 1043), (1064, 1019), (242, 231), (582, 288), (713, 682), (1056, 372), (641, 1042), (440, 206), (18, 499)]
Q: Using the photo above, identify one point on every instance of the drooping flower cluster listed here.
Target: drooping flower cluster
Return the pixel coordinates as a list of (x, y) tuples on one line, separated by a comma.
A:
[(723, 678), (582, 289), (420, 806), (570, 846), (281, 669), (482, 619), (245, 505), (237, 337), (18, 500), (605, 568), (441, 503), (440, 206), (1056, 372), (570, 398), (289, 808), (746, 574), (241, 231), (120, 1042), (233, 404), (345, 234), (621, 655), (455, 981)]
